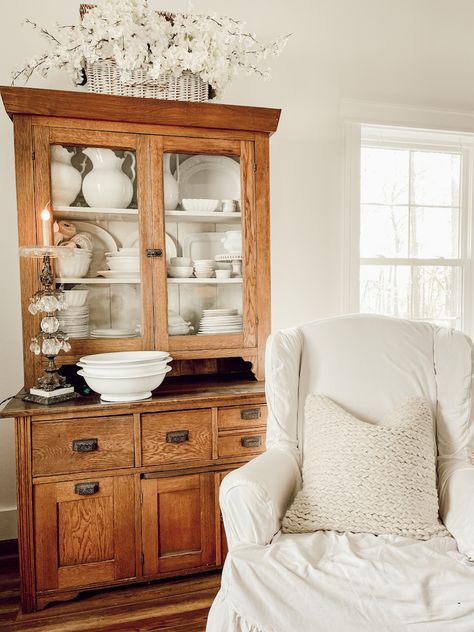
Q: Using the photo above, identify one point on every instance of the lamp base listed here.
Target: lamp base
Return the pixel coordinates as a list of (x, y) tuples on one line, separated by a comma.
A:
[(40, 396)]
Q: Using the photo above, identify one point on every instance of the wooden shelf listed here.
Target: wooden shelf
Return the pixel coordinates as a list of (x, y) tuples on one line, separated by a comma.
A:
[(212, 281), (94, 280), (213, 217), (85, 212)]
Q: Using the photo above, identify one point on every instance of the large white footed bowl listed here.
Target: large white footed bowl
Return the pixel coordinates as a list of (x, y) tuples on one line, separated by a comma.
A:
[(125, 389), (124, 370)]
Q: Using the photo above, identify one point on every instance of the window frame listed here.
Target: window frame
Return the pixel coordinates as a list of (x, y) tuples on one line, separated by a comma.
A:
[(358, 135)]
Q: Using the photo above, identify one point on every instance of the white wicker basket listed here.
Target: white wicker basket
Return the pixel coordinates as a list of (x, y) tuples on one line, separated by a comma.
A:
[(104, 77)]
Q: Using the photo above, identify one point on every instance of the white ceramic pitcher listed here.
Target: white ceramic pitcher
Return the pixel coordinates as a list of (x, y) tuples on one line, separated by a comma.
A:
[(107, 186), (65, 179)]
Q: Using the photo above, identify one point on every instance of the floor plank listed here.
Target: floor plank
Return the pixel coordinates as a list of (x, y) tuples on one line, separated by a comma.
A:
[(178, 605)]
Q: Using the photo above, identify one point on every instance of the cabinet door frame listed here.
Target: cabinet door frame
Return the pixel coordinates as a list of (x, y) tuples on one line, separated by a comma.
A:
[(239, 342), (50, 574), (153, 562), (45, 136)]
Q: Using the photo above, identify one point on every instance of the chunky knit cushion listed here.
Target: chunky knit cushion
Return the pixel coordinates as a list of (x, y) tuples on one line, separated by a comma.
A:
[(363, 477)]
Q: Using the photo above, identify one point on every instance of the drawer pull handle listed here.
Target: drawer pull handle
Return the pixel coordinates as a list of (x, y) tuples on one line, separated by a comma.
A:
[(85, 445), (177, 436), (251, 413), (251, 442), (86, 489)]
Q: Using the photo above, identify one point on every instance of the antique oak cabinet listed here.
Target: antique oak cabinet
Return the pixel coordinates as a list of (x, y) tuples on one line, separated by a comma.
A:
[(110, 494)]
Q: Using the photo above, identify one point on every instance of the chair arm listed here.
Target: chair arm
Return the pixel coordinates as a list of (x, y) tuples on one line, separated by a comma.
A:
[(255, 497), (456, 500)]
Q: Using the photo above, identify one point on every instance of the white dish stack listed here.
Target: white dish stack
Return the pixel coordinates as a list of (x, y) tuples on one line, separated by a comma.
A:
[(122, 264), (74, 320), (220, 321), (125, 376)]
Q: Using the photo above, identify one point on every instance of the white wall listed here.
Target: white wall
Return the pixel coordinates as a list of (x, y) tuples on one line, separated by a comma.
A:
[(398, 51)]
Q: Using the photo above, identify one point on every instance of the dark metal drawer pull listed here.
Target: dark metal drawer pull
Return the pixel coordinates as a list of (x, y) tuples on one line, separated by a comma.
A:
[(85, 445), (251, 442), (154, 252), (86, 489), (177, 436), (251, 413)]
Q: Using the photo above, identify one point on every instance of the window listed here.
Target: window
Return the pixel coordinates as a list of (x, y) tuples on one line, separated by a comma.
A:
[(412, 251)]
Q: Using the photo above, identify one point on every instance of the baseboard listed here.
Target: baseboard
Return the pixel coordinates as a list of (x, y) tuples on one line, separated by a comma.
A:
[(8, 525)]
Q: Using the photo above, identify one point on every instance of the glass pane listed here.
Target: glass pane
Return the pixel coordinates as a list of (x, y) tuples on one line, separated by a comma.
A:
[(94, 201), (203, 244), (385, 290), (437, 292), (384, 176), (383, 231), (436, 178), (435, 232)]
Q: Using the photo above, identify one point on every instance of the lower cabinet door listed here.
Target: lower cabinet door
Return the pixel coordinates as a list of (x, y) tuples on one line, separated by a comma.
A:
[(84, 532), (178, 523)]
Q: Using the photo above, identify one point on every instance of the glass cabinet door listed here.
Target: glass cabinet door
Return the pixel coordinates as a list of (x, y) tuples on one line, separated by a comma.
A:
[(97, 197), (208, 233)]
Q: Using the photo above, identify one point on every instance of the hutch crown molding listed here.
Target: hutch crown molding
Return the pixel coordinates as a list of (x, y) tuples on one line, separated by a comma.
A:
[(110, 494)]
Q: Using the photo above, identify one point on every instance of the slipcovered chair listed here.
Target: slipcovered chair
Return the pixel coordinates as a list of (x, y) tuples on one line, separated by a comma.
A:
[(346, 582)]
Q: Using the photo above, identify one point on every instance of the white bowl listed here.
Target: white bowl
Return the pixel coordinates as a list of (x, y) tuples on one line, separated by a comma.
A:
[(223, 274), (75, 298), (198, 205), (207, 263), (125, 357), (181, 261), (125, 389), (204, 274), (121, 370), (76, 266), (180, 272)]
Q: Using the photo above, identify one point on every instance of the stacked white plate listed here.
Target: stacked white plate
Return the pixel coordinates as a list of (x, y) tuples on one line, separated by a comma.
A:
[(220, 321), (125, 376), (122, 264), (74, 321), (113, 333)]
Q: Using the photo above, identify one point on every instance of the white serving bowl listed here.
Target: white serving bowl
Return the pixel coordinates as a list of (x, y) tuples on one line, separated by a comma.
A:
[(75, 266), (125, 357), (133, 370), (181, 261), (76, 298), (124, 264), (125, 389), (180, 272), (223, 274), (199, 205)]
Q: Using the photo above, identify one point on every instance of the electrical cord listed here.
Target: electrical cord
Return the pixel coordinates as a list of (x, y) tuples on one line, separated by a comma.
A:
[(6, 399)]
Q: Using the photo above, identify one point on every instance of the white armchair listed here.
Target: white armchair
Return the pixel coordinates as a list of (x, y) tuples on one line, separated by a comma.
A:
[(345, 582)]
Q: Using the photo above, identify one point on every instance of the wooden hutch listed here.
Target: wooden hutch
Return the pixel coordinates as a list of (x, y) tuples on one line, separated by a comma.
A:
[(153, 510)]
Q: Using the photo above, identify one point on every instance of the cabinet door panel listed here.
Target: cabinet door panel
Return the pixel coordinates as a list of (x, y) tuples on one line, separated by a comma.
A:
[(178, 523), (84, 532)]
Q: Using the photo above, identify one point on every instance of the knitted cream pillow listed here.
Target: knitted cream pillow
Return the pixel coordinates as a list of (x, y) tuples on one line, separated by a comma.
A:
[(363, 477)]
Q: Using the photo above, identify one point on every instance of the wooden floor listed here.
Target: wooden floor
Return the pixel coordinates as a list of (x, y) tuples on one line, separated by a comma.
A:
[(181, 606)]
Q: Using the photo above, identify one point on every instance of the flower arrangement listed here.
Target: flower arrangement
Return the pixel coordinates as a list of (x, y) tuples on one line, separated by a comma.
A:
[(133, 36)]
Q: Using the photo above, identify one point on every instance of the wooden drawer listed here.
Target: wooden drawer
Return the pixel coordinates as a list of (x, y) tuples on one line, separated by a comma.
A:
[(81, 445), (241, 444), (242, 417), (176, 436)]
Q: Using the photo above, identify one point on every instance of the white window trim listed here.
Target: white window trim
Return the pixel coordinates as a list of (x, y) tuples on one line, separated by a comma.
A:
[(462, 141)]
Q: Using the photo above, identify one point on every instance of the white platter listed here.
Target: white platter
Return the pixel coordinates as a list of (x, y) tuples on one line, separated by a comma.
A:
[(126, 357), (209, 177), (102, 242), (202, 245), (118, 274)]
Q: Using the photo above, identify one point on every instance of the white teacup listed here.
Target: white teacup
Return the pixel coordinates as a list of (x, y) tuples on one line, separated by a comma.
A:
[(223, 274)]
